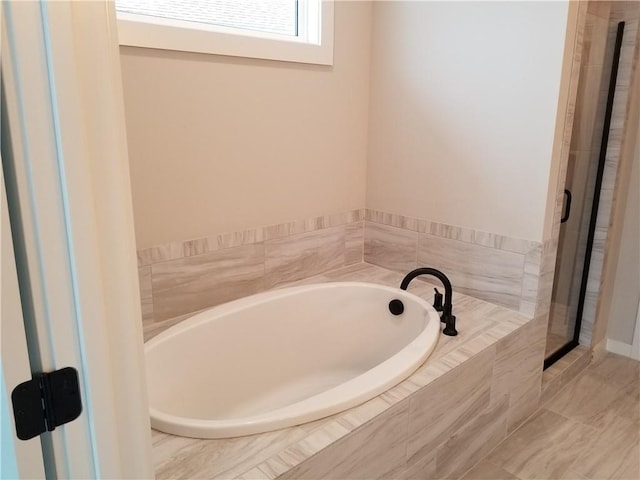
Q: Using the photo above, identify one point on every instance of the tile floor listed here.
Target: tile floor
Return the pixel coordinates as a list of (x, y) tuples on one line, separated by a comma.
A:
[(589, 430)]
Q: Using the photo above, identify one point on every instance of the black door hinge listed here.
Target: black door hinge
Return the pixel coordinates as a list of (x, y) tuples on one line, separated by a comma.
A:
[(46, 402)]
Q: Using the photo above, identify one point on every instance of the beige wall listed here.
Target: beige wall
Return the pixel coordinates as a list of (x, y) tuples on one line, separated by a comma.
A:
[(462, 125), (221, 144)]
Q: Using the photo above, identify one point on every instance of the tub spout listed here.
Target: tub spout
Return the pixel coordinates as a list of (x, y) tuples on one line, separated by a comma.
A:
[(447, 317)]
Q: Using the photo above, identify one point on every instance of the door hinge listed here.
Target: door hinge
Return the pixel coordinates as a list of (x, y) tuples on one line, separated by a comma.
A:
[(46, 402)]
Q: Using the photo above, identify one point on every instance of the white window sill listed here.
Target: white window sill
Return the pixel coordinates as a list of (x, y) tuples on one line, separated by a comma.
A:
[(168, 34)]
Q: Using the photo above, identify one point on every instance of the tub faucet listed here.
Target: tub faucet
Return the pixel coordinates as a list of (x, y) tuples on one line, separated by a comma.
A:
[(447, 317)]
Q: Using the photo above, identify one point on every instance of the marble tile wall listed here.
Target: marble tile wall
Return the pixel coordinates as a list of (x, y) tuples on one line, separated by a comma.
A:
[(390, 247), (192, 283), (295, 257), (488, 273), (594, 327), (184, 277), (499, 269)]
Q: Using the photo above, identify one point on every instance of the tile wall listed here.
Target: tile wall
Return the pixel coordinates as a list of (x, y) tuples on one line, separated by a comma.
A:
[(181, 278), (593, 333), (498, 269), (184, 277)]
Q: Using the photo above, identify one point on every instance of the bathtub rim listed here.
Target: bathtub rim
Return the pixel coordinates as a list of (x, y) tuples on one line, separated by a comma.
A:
[(411, 357)]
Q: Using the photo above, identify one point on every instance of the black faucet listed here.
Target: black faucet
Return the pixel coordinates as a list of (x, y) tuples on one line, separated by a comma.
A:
[(447, 309)]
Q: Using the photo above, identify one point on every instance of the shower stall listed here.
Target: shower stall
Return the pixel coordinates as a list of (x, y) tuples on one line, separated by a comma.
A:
[(608, 59)]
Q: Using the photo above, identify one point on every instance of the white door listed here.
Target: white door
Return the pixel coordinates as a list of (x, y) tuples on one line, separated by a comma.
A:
[(20, 459), (66, 172)]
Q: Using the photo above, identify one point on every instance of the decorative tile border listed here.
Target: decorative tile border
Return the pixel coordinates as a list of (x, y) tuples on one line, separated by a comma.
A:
[(392, 220), (199, 246), (451, 232)]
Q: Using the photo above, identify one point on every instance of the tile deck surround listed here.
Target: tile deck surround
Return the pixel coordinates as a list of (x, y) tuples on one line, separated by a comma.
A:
[(389, 425)]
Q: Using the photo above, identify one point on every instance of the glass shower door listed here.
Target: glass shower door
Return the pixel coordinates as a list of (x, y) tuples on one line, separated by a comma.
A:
[(596, 90)]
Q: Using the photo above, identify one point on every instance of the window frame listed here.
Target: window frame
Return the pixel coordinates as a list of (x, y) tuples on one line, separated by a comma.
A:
[(177, 35)]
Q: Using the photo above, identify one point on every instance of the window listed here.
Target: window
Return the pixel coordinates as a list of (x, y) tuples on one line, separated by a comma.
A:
[(274, 16), (290, 30)]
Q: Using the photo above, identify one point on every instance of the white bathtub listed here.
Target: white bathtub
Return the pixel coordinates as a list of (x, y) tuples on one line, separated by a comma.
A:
[(284, 357)]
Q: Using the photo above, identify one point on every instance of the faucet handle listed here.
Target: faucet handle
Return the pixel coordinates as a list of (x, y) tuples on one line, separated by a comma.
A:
[(450, 326), (437, 301)]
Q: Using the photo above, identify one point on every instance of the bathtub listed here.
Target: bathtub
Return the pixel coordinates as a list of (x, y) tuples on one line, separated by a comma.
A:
[(284, 357)]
